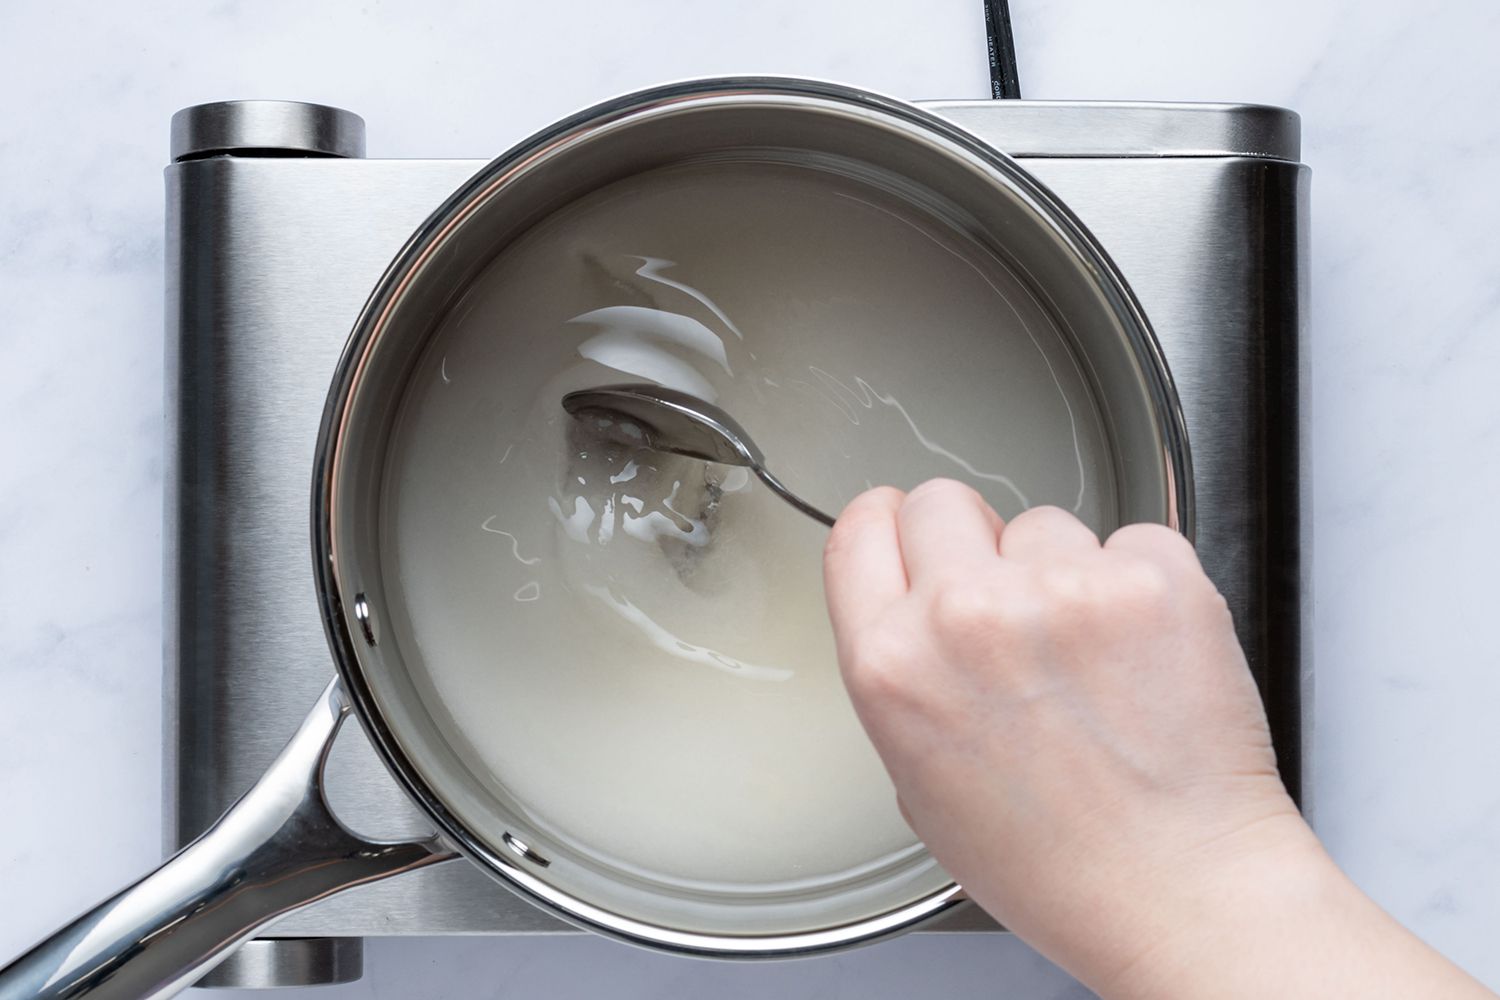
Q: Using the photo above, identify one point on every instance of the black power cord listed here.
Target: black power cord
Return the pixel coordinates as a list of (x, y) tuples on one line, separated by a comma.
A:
[(1004, 81)]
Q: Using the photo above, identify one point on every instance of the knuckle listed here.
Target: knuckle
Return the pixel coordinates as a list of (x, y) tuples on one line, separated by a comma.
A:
[(1150, 536), (880, 668), (1161, 565), (1043, 516), (964, 610), (1066, 586), (871, 505), (881, 498), (1047, 533), (1142, 585), (867, 511), (942, 490), (970, 621)]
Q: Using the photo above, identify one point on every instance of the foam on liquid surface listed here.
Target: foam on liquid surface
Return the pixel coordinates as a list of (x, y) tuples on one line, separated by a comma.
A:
[(634, 645)]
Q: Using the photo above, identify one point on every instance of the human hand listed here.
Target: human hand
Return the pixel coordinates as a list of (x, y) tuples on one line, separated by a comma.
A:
[(1071, 727)]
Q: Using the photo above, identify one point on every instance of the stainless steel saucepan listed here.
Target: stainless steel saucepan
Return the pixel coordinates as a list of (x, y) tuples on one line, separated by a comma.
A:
[(280, 847)]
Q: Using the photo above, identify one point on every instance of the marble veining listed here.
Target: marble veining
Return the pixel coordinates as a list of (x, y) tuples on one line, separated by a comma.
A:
[(1397, 106)]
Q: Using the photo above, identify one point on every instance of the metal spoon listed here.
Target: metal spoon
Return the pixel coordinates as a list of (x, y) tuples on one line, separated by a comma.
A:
[(667, 420)]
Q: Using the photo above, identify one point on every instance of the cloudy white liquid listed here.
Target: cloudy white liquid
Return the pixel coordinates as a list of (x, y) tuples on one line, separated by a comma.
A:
[(633, 645)]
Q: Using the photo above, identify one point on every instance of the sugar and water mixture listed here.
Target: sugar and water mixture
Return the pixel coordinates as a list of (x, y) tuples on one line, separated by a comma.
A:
[(634, 645)]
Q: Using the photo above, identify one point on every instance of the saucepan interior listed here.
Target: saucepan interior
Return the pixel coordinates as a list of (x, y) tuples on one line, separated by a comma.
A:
[(988, 205)]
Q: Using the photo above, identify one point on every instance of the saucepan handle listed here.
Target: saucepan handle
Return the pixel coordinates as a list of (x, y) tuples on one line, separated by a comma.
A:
[(276, 849)]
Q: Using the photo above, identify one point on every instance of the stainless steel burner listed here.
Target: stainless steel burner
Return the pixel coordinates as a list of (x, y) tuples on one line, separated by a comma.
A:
[(277, 230)]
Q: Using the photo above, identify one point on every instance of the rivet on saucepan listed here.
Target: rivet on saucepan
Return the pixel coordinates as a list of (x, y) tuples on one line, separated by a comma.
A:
[(362, 614), (519, 846)]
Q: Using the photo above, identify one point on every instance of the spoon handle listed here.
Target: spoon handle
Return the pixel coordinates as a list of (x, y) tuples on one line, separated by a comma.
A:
[(780, 490)]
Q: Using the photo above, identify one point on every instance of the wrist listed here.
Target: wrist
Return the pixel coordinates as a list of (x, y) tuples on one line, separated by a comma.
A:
[(1257, 914), (1239, 898)]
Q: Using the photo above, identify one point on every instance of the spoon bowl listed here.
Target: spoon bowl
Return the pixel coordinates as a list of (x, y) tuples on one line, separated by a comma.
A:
[(663, 419)]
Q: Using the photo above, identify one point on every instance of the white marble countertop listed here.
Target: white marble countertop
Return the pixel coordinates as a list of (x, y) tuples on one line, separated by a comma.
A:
[(1399, 125)]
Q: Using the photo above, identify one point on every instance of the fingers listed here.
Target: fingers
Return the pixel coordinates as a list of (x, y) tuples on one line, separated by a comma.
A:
[(1046, 533), (862, 568), (945, 527)]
